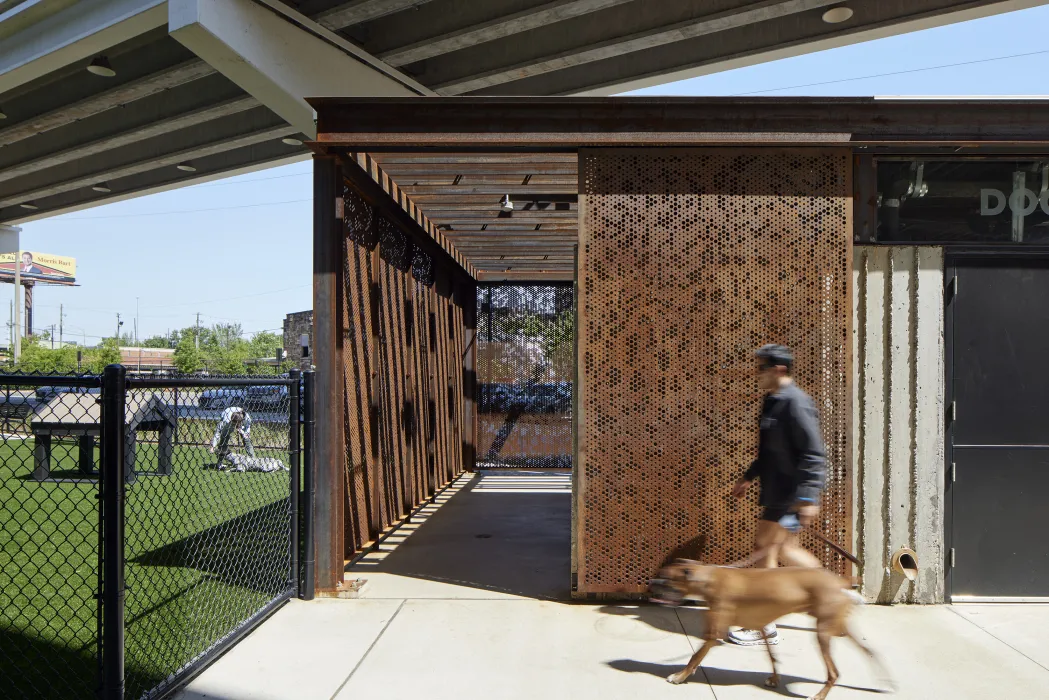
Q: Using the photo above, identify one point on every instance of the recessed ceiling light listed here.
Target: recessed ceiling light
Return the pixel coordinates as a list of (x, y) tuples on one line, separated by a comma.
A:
[(186, 167), (101, 187), (100, 66), (836, 15), (29, 205), (291, 141)]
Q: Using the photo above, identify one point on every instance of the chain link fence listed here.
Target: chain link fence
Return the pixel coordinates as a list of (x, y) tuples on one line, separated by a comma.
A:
[(197, 513), (49, 537)]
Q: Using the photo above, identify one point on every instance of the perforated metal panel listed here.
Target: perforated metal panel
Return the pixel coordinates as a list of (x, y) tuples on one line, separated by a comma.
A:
[(690, 259), (403, 347), (524, 369)]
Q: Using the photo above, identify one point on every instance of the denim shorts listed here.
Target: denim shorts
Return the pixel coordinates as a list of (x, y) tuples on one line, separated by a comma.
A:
[(782, 515)]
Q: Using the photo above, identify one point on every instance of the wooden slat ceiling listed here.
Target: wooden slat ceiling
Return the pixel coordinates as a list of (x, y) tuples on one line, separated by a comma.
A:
[(462, 192)]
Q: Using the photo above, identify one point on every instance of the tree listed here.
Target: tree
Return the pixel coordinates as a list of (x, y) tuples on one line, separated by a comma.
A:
[(227, 334), (107, 353), (157, 341), (265, 344), (188, 358), (38, 357)]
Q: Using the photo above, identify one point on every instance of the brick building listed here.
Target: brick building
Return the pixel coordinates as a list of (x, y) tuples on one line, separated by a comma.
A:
[(295, 325)]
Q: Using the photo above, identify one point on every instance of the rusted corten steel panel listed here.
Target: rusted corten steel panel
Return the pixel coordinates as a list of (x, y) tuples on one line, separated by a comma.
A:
[(689, 260), (403, 373), (394, 124)]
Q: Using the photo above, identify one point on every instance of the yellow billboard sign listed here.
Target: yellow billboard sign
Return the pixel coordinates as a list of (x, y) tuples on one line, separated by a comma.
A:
[(38, 267)]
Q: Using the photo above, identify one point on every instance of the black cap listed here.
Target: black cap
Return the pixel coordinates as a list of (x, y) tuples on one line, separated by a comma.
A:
[(775, 355)]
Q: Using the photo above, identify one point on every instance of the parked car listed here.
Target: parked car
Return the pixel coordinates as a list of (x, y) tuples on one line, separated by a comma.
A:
[(224, 397), (46, 393), (547, 397)]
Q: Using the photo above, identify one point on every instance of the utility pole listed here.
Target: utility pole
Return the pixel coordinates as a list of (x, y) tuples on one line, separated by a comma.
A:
[(119, 324), (52, 336), (61, 318), (196, 334), (136, 320)]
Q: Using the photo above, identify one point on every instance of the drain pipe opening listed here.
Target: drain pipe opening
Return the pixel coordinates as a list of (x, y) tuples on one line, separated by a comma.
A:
[(905, 563)]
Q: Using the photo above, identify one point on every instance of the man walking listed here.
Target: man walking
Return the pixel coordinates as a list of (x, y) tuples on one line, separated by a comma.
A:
[(234, 419), (792, 468)]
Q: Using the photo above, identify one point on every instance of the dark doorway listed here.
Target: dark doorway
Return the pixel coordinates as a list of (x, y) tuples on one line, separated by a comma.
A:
[(997, 328)]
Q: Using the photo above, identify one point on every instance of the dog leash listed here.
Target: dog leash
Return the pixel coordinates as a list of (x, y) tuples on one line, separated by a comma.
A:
[(760, 554), (836, 547)]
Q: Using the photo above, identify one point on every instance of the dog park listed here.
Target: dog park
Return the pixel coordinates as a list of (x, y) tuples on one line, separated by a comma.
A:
[(557, 333), (205, 545)]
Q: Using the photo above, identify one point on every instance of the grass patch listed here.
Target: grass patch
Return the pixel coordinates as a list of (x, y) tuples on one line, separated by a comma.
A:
[(205, 550)]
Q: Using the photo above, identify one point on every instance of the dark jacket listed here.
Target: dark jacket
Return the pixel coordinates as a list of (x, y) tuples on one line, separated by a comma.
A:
[(791, 460)]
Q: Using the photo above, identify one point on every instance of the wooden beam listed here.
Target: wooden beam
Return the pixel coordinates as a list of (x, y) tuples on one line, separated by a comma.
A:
[(536, 182), (540, 215), (404, 214), (427, 158), (423, 190), (525, 276), (465, 169), (710, 24), (498, 28)]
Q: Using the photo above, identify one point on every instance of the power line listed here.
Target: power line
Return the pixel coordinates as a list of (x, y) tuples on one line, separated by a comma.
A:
[(245, 296), (244, 182), (58, 220), (899, 72)]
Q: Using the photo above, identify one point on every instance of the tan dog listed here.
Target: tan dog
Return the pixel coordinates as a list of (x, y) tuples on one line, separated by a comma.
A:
[(752, 598)]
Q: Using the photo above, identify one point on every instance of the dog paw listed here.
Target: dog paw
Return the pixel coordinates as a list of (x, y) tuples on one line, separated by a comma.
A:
[(677, 678), (772, 682)]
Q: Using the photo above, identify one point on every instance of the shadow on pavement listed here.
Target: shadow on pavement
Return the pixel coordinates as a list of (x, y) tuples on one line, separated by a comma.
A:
[(506, 532)]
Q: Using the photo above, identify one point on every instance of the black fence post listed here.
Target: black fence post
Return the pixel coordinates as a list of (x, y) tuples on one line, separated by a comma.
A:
[(308, 486), (295, 461), (114, 393)]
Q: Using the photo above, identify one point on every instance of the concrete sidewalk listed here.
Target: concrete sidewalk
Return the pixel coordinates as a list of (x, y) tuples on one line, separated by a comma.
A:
[(468, 603)]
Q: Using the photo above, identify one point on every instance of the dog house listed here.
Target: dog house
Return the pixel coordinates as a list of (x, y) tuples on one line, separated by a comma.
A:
[(69, 415), (897, 245)]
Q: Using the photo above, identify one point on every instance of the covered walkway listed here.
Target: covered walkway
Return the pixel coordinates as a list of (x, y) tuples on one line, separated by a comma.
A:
[(469, 601)]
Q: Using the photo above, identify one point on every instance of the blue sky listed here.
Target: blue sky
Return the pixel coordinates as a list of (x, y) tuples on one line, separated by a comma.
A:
[(240, 249)]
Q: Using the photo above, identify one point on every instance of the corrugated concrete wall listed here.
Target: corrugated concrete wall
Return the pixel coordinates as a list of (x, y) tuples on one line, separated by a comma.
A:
[(899, 418)]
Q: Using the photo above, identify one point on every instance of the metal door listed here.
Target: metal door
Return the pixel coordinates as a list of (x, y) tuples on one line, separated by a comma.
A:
[(998, 435)]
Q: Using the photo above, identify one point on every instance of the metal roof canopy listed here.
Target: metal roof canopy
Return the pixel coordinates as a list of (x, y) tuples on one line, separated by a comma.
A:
[(221, 83), (452, 159)]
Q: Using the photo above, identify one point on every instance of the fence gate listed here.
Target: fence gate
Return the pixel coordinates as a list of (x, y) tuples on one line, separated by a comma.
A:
[(524, 374)]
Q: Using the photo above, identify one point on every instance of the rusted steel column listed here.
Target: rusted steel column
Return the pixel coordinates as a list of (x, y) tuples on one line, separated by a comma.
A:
[(466, 299), (330, 451)]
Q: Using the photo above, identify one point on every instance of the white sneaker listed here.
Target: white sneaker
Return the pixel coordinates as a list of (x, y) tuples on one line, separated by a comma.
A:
[(749, 638)]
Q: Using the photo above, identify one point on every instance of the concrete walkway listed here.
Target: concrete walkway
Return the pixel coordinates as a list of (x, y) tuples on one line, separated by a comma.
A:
[(468, 602)]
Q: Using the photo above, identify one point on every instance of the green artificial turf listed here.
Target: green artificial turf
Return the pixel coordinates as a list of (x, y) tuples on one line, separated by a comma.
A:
[(205, 550)]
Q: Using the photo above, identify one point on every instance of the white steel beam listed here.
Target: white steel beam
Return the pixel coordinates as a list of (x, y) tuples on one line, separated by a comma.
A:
[(146, 165), (114, 97), (158, 128), (710, 24), (361, 11), (75, 32), (500, 28), (275, 61)]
